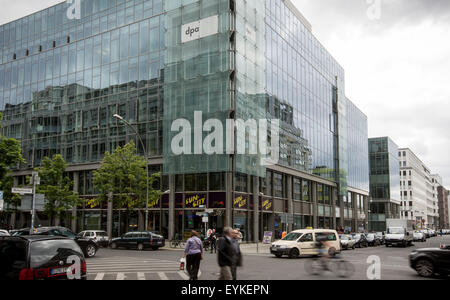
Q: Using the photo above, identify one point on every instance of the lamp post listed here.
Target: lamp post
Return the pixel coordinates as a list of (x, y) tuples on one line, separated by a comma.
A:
[(121, 119)]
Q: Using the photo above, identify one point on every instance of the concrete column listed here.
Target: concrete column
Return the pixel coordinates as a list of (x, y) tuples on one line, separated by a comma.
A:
[(229, 204), (172, 189), (333, 208), (256, 208), (290, 200), (110, 215), (76, 181), (314, 200)]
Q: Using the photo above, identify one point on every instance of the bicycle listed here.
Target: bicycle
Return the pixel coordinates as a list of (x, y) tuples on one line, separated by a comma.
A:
[(177, 243), (336, 265)]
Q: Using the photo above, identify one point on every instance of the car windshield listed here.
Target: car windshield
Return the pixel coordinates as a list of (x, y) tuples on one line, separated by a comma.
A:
[(293, 236), (396, 231), (50, 252)]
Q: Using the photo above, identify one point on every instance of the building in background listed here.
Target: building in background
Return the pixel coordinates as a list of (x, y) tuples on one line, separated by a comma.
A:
[(433, 205), (384, 182), (155, 61), (444, 209), (417, 201)]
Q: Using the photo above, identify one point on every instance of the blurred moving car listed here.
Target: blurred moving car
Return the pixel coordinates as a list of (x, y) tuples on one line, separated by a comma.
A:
[(431, 261), (373, 240), (38, 257), (4, 232), (347, 242), (419, 236), (361, 240), (139, 241), (98, 236), (304, 242)]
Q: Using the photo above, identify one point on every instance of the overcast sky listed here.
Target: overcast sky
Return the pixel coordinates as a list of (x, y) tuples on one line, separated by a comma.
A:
[(397, 66)]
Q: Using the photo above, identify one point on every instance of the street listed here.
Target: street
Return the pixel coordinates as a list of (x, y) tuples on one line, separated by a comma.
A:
[(164, 264)]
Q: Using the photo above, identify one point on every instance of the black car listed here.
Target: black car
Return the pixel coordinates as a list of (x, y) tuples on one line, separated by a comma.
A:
[(361, 240), (431, 261), (138, 240), (38, 257), (88, 246)]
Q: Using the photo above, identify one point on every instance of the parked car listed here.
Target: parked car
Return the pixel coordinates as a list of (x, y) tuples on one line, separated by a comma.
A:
[(304, 243), (139, 241), (88, 246), (39, 257), (373, 240), (347, 242), (4, 232), (419, 236), (98, 236), (381, 237), (361, 240), (431, 261)]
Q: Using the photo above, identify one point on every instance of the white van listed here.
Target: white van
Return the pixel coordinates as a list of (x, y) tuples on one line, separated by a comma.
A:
[(304, 243)]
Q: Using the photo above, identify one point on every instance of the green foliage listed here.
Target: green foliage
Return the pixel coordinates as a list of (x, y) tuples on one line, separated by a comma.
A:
[(123, 174), (10, 156), (56, 186)]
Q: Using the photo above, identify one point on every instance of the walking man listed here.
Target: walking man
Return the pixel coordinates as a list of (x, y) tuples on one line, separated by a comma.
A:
[(194, 254), (226, 254), (237, 239), (213, 241)]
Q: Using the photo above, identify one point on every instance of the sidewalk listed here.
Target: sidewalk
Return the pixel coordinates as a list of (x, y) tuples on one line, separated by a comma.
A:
[(247, 248)]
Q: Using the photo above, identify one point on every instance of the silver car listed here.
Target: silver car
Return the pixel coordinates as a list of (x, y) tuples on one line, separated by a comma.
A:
[(348, 242), (4, 233), (98, 236)]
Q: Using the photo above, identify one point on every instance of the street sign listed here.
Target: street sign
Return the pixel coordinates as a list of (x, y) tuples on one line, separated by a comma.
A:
[(22, 191), (1, 195)]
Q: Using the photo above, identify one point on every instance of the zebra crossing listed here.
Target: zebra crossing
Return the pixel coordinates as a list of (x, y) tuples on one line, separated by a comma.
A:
[(129, 268)]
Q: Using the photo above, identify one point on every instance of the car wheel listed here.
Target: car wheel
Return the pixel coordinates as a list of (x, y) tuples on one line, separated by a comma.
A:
[(155, 248), (353, 247), (91, 250), (140, 247), (294, 254), (278, 255), (113, 246), (425, 268)]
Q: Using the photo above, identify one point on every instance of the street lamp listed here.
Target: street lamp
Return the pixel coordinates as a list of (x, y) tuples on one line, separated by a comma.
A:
[(121, 119)]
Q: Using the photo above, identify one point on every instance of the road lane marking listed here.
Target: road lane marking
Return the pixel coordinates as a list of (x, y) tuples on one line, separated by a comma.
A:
[(183, 275), (120, 276), (141, 276), (162, 276), (100, 276)]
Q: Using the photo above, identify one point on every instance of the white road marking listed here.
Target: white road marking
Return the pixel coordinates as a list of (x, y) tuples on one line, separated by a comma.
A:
[(183, 275), (162, 276), (141, 276), (120, 276), (100, 276)]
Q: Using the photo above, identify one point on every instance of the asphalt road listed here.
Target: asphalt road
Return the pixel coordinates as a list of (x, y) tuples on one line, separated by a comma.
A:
[(164, 265)]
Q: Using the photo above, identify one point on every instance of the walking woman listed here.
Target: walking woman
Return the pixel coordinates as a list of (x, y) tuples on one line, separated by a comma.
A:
[(194, 254)]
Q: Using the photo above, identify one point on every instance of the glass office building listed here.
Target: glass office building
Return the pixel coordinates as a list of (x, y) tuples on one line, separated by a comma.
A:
[(155, 62), (384, 182)]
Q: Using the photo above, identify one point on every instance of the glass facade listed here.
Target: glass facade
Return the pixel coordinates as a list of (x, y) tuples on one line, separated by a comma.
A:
[(384, 181), (61, 82)]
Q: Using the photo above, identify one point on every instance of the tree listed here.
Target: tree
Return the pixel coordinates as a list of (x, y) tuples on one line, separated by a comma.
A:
[(57, 187), (123, 175), (10, 156)]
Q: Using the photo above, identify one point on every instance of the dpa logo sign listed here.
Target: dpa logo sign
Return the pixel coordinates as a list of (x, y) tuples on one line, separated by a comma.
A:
[(74, 10), (199, 29)]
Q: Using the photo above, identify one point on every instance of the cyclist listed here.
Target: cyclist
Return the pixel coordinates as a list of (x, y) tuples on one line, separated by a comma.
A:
[(323, 247)]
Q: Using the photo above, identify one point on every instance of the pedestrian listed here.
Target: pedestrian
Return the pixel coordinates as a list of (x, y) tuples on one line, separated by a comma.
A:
[(226, 254), (213, 241), (240, 237), (194, 254), (238, 258)]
